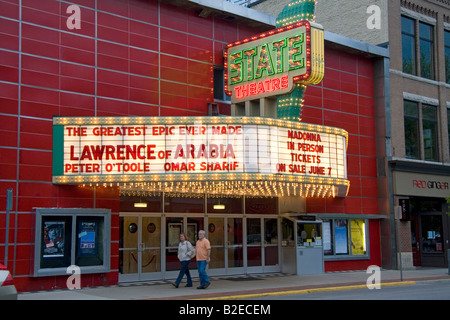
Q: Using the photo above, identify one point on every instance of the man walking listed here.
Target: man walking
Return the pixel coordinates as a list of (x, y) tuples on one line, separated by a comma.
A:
[(203, 249)]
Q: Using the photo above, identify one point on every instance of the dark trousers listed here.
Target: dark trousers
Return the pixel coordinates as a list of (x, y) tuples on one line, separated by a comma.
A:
[(184, 270)]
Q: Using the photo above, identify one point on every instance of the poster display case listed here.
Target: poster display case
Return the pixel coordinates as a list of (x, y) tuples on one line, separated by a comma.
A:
[(67, 237)]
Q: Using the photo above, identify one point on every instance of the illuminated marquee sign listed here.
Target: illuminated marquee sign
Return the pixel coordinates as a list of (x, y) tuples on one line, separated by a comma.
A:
[(269, 64), (196, 149)]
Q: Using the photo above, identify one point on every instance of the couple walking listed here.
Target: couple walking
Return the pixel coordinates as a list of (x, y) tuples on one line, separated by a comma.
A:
[(202, 254)]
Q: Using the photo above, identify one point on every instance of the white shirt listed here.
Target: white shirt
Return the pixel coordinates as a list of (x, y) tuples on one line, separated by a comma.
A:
[(185, 250)]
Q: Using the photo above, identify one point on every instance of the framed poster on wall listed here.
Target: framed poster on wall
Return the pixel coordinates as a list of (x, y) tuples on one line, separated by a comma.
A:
[(53, 239), (68, 237)]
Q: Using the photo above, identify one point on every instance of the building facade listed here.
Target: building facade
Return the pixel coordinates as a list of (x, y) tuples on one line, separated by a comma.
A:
[(417, 34), (123, 60)]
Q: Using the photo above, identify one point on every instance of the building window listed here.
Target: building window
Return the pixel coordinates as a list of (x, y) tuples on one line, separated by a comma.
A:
[(430, 132), (66, 237), (409, 45), (412, 130), (421, 131), (418, 52), (448, 126), (219, 85), (426, 40), (447, 55), (345, 237)]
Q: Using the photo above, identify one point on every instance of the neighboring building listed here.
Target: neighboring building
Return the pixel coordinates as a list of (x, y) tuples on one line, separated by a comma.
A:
[(417, 34), (164, 60)]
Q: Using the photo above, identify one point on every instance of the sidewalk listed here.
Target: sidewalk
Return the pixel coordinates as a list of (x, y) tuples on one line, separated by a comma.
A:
[(239, 287)]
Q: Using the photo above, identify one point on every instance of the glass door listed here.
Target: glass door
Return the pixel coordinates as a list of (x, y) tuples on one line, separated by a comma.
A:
[(150, 248), (174, 226), (234, 246), (262, 245), (432, 237), (216, 237), (271, 257), (128, 249), (190, 226), (139, 248), (254, 251)]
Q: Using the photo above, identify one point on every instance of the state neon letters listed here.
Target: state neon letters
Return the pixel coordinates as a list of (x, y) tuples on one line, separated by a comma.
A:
[(270, 63), (271, 58)]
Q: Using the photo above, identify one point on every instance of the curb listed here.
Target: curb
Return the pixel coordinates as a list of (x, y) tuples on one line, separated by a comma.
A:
[(305, 291)]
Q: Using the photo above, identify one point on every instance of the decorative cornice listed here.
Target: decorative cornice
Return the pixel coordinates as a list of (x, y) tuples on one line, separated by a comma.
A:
[(421, 9)]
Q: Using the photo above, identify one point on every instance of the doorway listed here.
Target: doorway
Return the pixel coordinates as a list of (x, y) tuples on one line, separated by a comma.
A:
[(148, 246), (415, 241), (432, 240), (429, 239), (139, 248), (243, 245), (174, 225), (262, 245)]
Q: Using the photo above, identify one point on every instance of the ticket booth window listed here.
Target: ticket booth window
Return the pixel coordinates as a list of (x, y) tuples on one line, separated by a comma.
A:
[(309, 234)]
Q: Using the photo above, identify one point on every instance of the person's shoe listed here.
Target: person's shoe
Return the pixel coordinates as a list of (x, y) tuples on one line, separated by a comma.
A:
[(188, 285), (200, 287), (175, 285), (206, 285)]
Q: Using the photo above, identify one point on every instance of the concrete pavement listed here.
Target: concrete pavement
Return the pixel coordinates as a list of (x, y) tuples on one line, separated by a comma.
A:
[(240, 287)]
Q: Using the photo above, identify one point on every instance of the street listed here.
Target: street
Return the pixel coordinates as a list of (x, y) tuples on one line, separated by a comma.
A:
[(422, 290)]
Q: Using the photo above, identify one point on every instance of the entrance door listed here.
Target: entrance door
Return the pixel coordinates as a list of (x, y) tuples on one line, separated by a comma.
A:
[(432, 240), (262, 245), (415, 241), (271, 255), (216, 237), (139, 248), (188, 225), (254, 250), (235, 248)]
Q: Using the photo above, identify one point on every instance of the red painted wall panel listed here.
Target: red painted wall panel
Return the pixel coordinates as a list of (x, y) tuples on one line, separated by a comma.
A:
[(345, 99)]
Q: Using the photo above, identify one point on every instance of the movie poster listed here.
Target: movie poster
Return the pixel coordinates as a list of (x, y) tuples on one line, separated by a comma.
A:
[(358, 237), (53, 237), (340, 234), (87, 237)]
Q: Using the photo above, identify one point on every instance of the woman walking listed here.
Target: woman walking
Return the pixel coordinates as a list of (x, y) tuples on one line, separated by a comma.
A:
[(185, 252)]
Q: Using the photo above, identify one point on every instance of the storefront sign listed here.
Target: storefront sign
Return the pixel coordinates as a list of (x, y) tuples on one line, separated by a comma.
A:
[(161, 149), (269, 64), (416, 184)]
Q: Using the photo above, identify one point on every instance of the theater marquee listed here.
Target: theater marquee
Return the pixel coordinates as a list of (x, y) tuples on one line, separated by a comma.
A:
[(219, 155), (270, 63)]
